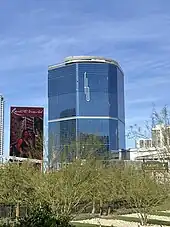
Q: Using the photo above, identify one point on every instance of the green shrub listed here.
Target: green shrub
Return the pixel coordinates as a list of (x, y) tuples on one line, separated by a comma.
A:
[(7, 222), (43, 216)]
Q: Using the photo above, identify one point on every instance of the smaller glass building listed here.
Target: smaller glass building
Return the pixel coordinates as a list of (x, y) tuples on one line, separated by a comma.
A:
[(86, 104)]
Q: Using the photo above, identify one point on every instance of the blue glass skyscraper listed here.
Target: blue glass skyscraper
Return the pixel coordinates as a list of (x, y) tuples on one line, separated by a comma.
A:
[(86, 97)]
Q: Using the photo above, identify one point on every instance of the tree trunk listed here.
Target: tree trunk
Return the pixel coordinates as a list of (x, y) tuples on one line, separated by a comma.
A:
[(143, 218), (17, 211), (101, 208), (109, 210), (94, 207)]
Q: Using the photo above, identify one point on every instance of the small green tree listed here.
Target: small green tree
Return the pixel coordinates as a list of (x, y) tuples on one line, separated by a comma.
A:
[(96, 183), (158, 129), (105, 187), (143, 192), (17, 184), (65, 190)]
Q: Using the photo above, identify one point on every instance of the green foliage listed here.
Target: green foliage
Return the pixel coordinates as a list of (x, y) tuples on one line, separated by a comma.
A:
[(68, 191), (143, 191), (38, 217), (17, 183), (6, 222), (43, 216)]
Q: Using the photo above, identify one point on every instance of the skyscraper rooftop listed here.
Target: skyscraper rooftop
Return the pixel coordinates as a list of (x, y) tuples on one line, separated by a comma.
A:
[(85, 59)]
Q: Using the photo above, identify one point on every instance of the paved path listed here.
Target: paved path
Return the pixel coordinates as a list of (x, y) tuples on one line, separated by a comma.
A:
[(112, 222)]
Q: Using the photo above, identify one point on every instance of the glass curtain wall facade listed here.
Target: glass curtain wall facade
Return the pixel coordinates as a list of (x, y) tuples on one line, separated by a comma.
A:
[(86, 103)]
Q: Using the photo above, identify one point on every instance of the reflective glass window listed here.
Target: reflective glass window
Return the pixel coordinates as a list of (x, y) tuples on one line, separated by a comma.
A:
[(121, 135), (100, 93), (96, 105), (67, 131), (113, 133), (112, 79), (113, 96), (62, 106), (62, 136), (53, 135), (121, 107), (62, 132), (62, 80), (93, 75), (113, 107), (97, 127), (93, 136)]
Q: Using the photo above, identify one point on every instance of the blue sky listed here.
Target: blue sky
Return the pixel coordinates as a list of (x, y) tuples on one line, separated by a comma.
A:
[(34, 34)]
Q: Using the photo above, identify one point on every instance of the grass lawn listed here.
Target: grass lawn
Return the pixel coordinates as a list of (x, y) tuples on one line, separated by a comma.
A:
[(161, 213)]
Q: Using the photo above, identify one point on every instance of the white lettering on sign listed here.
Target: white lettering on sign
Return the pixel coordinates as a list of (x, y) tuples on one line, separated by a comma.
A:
[(27, 111)]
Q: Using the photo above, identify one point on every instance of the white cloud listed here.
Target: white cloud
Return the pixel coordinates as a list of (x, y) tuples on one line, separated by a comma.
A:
[(150, 81), (136, 36), (141, 100)]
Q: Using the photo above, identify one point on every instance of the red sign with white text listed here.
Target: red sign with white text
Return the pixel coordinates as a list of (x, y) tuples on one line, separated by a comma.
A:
[(26, 132)]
